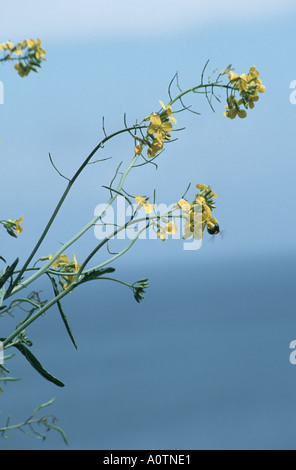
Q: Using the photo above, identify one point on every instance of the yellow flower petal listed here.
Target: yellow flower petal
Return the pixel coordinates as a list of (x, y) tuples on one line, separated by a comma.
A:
[(161, 234), (183, 204), (200, 200), (31, 43), (148, 207), (171, 228), (201, 186), (138, 149), (18, 228), (242, 113), (140, 200), (166, 126)]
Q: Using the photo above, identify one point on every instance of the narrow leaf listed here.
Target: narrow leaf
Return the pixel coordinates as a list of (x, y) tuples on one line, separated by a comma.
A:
[(62, 313), (2, 293), (8, 272), (95, 274), (37, 366)]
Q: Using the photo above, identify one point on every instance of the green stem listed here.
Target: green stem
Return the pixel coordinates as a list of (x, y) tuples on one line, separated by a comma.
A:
[(115, 280), (116, 232), (110, 260), (19, 301), (59, 205), (193, 89), (47, 265), (36, 315)]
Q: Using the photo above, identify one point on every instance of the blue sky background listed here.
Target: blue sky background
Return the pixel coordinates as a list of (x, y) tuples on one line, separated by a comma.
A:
[(107, 58)]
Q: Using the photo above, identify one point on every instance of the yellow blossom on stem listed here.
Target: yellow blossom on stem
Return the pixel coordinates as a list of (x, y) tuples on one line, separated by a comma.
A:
[(18, 51), (143, 202), (65, 266), (200, 200), (168, 110), (205, 188), (18, 227), (248, 85), (154, 148), (159, 127), (138, 149), (13, 227), (171, 228), (161, 233), (9, 45), (183, 204)]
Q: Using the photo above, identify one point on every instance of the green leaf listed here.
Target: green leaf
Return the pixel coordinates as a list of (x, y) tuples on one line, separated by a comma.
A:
[(9, 379), (2, 293), (50, 402), (95, 274), (37, 366), (2, 289), (8, 272), (62, 313), (57, 428)]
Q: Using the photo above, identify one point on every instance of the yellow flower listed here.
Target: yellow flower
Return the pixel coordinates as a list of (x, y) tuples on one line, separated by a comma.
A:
[(201, 186), (171, 228), (253, 73), (18, 227), (143, 202), (63, 264), (31, 43), (61, 261), (161, 234), (183, 204), (205, 188), (193, 228), (232, 113), (138, 149), (243, 82), (232, 76), (248, 86), (200, 200), (45, 258), (251, 100), (18, 51), (154, 148), (22, 71), (9, 45), (70, 279), (13, 227), (159, 127), (260, 87), (168, 110), (207, 211)]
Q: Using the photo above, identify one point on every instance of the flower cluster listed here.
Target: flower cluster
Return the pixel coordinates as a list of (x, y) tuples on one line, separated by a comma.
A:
[(169, 229), (63, 265), (158, 131), (248, 86), (13, 227), (196, 221), (29, 54)]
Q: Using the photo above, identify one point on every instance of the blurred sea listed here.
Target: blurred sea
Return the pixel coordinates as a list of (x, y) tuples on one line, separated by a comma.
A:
[(202, 363)]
